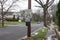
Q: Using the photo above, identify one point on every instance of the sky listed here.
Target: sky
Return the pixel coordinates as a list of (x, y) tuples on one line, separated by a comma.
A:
[(23, 4)]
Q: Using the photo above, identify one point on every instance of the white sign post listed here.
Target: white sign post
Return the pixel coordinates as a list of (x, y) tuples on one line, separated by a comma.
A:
[(28, 21)]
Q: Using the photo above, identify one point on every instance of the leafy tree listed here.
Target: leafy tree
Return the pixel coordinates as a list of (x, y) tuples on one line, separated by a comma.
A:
[(58, 15)]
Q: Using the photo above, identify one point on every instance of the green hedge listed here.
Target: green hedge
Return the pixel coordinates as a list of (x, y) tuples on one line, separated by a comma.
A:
[(58, 15), (12, 19)]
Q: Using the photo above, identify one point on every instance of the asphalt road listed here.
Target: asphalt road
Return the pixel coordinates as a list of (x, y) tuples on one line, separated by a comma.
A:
[(15, 32)]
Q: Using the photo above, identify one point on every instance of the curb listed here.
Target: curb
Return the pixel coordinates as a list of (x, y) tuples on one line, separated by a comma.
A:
[(31, 33)]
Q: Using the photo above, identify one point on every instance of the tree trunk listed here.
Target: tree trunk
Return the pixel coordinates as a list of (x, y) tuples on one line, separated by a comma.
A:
[(46, 17), (2, 15)]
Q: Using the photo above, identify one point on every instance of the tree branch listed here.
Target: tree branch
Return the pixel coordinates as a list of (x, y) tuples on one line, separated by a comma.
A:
[(39, 2), (11, 6), (38, 6), (4, 1), (47, 2), (50, 3)]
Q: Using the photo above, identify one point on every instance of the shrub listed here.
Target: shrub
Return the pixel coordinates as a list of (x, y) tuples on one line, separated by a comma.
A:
[(12, 19), (58, 15)]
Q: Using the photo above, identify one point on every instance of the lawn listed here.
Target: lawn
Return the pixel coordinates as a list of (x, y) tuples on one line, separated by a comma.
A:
[(0, 24), (9, 22), (14, 22), (41, 34)]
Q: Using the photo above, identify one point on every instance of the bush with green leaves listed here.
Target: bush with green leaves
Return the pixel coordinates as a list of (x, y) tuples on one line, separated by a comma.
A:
[(12, 18), (58, 15)]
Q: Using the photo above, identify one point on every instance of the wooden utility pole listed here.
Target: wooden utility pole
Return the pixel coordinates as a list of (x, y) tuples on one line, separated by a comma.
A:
[(29, 4), (29, 27)]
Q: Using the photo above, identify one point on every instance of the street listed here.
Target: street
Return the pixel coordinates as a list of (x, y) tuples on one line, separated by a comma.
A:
[(15, 32)]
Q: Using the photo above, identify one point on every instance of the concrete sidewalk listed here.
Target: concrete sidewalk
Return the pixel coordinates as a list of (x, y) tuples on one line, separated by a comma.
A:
[(51, 35)]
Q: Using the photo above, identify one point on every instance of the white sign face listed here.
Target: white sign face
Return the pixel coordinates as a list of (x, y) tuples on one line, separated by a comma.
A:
[(28, 13), (27, 19)]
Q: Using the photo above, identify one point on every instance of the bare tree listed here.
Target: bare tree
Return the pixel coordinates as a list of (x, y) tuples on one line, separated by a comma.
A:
[(45, 9), (2, 2), (53, 10)]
